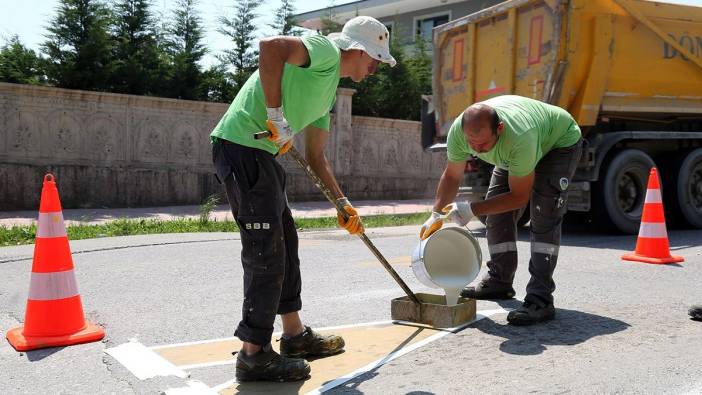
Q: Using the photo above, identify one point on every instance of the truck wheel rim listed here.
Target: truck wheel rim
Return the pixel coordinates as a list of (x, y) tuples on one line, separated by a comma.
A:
[(628, 193), (695, 187)]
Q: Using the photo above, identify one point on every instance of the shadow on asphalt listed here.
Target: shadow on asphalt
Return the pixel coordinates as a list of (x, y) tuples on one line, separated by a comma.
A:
[(585, 235), (570, 327), (38, 355)]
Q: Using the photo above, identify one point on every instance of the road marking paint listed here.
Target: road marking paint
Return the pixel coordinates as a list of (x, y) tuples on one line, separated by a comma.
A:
[(375, 364), (224, 339), (194, 388), (393, 261), (405, 341), (142, 362)]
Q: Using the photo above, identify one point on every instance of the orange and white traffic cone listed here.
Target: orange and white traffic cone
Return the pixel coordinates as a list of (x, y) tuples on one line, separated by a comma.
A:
[(652, 245), (54, 315)]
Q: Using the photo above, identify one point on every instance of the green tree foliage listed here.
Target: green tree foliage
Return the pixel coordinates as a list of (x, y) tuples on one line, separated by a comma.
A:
[(19, 64), (329, 25), (241, 30), (185, 50), (395, 92), (138, 61), (79, 47), (217, 85), (284, 22)]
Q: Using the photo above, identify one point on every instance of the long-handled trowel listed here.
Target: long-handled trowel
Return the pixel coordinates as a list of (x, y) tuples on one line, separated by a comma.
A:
[(327, 193)]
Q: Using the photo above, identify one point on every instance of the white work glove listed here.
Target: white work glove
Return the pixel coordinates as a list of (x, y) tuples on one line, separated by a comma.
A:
[(431, 225), (458, 212), (281, 133)]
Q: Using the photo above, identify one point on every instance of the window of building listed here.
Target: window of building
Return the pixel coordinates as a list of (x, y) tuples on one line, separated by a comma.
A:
[(424, 24)]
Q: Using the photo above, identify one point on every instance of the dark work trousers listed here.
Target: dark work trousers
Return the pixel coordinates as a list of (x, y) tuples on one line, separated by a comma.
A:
[(255, 185), (549, 203)]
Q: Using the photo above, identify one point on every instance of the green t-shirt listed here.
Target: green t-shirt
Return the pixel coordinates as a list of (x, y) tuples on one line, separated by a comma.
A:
[(308, 93), (532, 129)]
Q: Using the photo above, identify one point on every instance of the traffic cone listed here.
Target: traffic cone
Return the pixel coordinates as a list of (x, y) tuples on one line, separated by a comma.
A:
[(54, 315), (652, 245)]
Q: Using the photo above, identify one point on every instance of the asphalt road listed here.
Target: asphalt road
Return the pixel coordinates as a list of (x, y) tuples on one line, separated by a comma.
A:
[(621, 327)]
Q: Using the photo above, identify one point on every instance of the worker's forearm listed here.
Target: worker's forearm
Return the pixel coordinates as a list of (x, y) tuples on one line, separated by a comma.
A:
[(322, 168), (270, 70), (446, 191), (498, 204)]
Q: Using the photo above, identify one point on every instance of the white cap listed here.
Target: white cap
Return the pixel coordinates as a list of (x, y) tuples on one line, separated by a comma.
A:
[(367, 34)]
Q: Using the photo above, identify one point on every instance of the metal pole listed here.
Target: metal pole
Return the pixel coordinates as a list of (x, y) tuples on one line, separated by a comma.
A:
[(340, 209)]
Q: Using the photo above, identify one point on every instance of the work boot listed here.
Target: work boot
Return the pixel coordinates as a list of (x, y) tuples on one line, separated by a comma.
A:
[(310, 344), (268, 365), (696, 312), (531, 312), (488, 289)]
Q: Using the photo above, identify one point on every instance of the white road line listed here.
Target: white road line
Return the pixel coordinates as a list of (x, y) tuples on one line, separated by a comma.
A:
[(223, 386), (376, 323), (194, 388), (341, 380), (207, 364), (198, 388), (142, 362)]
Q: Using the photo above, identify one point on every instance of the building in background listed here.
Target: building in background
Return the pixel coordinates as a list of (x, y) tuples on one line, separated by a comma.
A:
[(409, 18)]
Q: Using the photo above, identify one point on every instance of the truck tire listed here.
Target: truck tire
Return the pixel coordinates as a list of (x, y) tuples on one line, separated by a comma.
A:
[(683, 181), (620, 192)]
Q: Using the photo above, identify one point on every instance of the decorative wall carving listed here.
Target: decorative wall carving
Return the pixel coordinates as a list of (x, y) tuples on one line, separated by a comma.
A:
[(138, 146)]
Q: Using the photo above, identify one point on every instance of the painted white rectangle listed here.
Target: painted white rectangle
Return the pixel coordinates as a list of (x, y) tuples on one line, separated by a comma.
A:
[(142, 362)]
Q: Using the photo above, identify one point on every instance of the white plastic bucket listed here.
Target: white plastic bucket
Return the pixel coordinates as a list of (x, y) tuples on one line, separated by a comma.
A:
[(450, 259)]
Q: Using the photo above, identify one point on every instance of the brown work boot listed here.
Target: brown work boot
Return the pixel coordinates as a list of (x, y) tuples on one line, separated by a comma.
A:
[(311, 344), (696, 312), (488, 290), (268, 365)]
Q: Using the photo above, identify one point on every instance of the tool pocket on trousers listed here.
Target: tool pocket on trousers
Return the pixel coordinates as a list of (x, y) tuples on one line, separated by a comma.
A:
[(263, 246), (547, 208)]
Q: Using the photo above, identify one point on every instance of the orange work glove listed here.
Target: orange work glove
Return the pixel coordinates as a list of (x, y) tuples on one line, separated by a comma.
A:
[(275, 136), (431, 225), (353, 225)]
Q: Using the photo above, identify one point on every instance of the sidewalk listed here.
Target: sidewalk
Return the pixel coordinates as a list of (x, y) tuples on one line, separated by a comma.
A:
[(221, 212)]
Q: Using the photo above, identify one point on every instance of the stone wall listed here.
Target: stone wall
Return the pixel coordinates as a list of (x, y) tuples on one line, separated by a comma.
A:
[(111, 150)]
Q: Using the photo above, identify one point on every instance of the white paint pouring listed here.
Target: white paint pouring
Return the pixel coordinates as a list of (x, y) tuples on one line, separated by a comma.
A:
[(449, 259)]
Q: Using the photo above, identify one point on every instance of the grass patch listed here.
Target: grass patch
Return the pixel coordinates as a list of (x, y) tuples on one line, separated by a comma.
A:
[(18, 235)]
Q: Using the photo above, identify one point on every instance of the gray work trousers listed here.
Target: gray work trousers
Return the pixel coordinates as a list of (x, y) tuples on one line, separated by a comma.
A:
[(549, 203)]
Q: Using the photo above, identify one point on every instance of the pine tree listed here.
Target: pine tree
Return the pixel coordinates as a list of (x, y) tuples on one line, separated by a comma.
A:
[(78, 45), (394, 92), (138, 60), (329, 25), (19, 64), (284, 22), (240, 28), (217, 85), (185, 48)]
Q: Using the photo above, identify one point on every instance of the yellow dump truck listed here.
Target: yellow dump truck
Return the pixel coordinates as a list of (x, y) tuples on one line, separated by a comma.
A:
[(630, 73)]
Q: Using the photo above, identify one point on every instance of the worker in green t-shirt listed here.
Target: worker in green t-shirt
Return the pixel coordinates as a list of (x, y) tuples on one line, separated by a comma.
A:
[(291, 92), (535, 148)]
